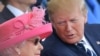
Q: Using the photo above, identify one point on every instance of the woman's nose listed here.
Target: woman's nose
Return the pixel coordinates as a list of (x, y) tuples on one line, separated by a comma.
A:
[(40, 46)]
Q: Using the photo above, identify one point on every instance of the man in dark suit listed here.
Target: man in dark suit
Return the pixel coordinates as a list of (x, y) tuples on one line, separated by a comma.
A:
[(69, 19), (14, 8)]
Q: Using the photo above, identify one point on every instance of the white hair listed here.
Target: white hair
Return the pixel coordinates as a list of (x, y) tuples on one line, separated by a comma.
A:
[(11, 51)]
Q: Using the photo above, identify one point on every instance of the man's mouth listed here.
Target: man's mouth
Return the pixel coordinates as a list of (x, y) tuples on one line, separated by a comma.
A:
[(70, 36)]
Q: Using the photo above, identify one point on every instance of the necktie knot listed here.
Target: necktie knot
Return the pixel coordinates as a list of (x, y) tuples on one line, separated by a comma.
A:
[(89, 52), (81, 45)]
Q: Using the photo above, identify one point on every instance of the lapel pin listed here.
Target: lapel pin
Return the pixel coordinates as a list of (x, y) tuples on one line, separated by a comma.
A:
[(98, 42)]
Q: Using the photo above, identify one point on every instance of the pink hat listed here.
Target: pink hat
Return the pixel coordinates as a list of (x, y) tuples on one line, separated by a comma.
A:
[(24, 27)]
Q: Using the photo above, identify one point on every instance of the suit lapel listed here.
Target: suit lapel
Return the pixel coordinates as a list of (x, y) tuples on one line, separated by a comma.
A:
[(77, 50), (6, 14), (93, 37)]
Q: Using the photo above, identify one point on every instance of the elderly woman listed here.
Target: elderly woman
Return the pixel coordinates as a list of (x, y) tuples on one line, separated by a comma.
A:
[(21, 36)]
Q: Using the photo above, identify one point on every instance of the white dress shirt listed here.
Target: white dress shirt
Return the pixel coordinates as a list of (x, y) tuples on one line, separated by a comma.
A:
[(87, 44), (15, 11)]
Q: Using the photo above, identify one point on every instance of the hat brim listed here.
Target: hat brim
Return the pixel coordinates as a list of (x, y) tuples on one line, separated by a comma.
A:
[(42, 31)]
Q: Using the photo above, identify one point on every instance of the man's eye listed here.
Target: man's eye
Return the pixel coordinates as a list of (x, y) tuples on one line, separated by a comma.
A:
[(74, 20), (61, 23)]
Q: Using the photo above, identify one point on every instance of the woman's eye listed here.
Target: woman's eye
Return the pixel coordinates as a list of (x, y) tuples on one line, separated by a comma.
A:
[(36, 41)]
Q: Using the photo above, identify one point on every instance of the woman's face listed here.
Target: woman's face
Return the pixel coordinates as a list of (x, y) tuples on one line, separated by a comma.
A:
[(32, 47)]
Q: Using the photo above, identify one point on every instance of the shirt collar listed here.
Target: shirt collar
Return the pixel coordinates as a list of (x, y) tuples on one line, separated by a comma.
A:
[(15, 11), (83, 40)]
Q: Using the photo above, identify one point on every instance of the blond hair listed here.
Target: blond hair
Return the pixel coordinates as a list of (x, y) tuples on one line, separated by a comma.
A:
[(54, 5)]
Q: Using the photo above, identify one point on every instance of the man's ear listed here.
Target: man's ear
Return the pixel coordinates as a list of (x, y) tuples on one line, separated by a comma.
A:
[(85, 16), (85, 12), (85, 19)]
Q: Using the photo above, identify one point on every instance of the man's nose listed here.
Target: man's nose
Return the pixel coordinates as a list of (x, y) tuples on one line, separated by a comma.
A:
[(68, 27)]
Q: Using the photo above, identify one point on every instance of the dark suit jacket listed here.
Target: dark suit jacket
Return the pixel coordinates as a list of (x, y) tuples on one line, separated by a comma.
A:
[(5, 15), (53, 46)]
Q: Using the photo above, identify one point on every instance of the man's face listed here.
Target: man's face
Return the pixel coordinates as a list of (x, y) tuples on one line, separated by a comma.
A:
[(30, 1), (27, 2), (69, 25), (1, 6)]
